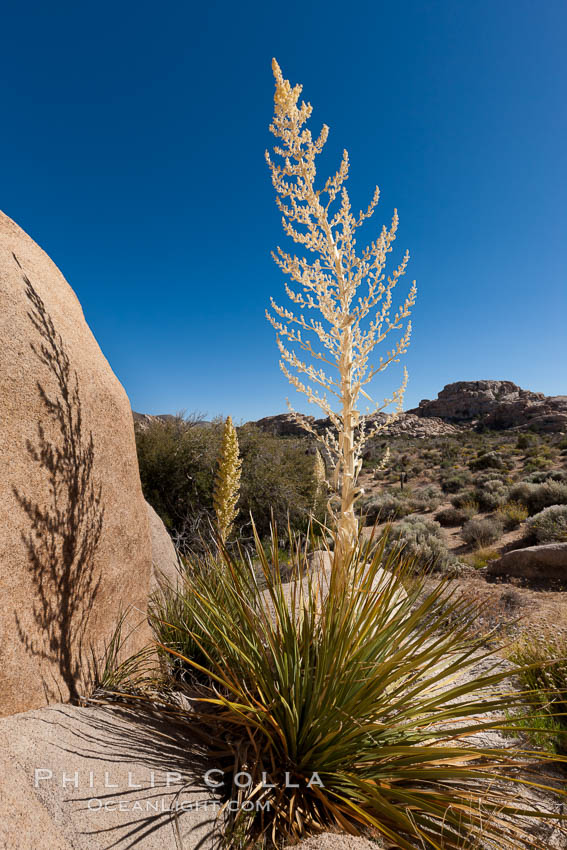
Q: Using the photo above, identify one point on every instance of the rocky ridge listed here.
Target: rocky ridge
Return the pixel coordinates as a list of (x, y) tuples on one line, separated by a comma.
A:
[(498, 405)]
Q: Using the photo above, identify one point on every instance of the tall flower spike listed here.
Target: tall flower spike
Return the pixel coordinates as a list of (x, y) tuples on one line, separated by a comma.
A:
[(347, 289), (227, 481)]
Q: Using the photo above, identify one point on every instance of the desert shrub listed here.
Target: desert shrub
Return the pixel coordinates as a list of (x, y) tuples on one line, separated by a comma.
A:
[(512, 514), (421, 539), (178, 462), (488, 460), (543, 674), (536, 497), (547, 475), (426, 498), (482, 532), (383, 506), (278, 480), (481, 478), (464, 498), (481, 558), (534, 464), (549, 525), (526, 441), (491, 495), (456, 516), (456, 481)]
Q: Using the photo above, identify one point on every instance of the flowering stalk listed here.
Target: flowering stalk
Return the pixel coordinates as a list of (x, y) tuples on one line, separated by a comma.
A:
[(227, 481), (351, 323)]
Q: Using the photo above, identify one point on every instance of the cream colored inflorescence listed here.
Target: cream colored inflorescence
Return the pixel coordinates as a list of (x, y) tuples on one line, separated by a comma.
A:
[(351, 322), (227, 482)]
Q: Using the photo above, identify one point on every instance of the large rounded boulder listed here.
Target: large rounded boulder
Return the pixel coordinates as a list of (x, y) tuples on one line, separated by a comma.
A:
[(75, 546), (535, 563)]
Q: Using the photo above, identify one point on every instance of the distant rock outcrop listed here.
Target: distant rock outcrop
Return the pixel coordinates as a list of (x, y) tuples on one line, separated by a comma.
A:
[(496, 404), (405, 425), (74, 535)]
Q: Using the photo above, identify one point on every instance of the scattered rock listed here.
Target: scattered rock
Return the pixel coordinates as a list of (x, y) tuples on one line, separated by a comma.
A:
[(535, 563), (74, 536)]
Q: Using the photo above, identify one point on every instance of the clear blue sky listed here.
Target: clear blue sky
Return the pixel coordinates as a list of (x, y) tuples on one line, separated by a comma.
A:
[(132, 151)]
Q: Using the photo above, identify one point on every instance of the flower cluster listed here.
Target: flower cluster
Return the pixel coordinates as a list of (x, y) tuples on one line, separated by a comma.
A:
[(347, 288)]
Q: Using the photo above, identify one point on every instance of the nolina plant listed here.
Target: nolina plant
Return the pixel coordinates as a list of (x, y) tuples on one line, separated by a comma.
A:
[(348, 290), (227, 481)]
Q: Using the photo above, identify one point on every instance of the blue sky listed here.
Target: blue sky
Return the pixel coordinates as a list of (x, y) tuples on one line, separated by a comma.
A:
[(133, 146)]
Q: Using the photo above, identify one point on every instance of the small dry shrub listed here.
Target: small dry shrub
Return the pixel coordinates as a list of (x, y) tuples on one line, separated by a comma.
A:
[(421, 539), (481, 558), (512, 514), (482, 532), (466, 497), (488, 460), (491, 495), (426, 498), (386, 505)]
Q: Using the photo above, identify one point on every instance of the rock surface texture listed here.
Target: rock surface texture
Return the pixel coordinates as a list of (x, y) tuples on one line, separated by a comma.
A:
[(535, 563), (498, 405), (165, 563), (92, 779), (74, 535)]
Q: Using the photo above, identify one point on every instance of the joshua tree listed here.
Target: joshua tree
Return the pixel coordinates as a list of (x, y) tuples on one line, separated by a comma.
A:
[(227, 482), (348, 290)]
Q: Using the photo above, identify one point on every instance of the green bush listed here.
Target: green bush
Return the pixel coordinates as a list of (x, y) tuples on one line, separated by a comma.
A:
[(421, 539), (482, 532), (278, 479), (481, 558), (549, 525), (536, 463), (178, 461)]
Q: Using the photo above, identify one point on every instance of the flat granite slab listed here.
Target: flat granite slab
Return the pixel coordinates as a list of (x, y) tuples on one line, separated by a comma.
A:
[(94, 778)]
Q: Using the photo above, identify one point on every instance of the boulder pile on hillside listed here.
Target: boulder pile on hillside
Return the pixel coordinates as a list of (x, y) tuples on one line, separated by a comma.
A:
[(497, 405)]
